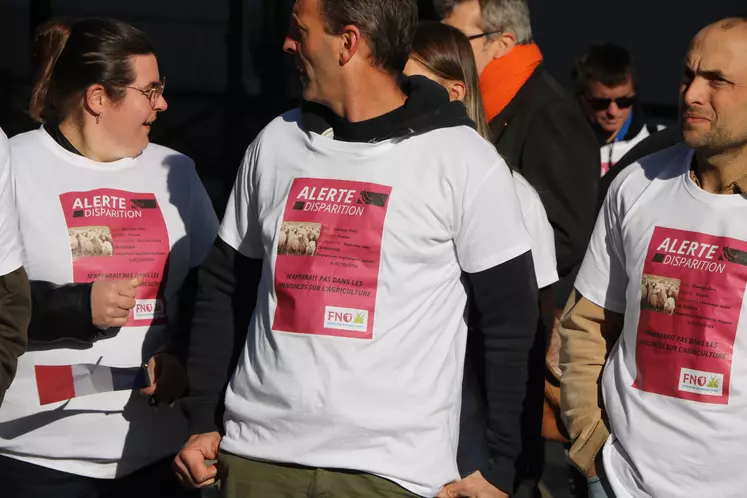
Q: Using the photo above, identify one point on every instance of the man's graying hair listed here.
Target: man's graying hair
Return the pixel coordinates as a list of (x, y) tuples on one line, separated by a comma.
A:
[(497, 15), (388, 26)]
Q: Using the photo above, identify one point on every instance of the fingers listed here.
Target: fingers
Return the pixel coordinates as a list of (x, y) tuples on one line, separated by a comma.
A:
[(152, 370), (180, 469), (128, 288), (112, 300), (459, 491), (188, 484), (115, 312), (198, 472), (124, 302), (192, 473), (116, 322), (168, 373), (213, 472), (152, 388), (462, 487), (116, 317), (190, 464), (474, 486)]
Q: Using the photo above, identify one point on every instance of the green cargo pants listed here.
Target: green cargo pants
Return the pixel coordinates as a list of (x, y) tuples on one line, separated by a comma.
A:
[(242, 478)]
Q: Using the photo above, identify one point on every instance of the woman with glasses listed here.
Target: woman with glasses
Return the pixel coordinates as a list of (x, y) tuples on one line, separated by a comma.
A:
[(443, 54), (113, 229)]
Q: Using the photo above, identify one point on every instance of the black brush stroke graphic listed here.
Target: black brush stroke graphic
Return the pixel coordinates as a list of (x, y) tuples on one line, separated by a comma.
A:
[(144, 203), (373, 198)]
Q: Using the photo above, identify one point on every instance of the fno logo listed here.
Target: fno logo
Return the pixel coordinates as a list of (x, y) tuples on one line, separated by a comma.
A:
[(146, 309), (698, 382), (345, 319)]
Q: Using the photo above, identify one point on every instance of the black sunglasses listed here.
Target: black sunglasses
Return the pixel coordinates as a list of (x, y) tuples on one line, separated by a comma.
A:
[(602, 104)]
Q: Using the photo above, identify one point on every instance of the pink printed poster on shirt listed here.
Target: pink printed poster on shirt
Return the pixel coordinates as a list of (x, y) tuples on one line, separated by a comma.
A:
[(691, 299), (119, 235), (328, 257)]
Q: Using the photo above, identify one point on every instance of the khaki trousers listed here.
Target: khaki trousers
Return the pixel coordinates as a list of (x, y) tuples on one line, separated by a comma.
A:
[(243, 478)]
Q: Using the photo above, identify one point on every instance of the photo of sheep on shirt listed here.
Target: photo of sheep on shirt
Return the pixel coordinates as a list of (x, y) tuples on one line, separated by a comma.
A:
[(298, 238), (90, 241), (659, 293)]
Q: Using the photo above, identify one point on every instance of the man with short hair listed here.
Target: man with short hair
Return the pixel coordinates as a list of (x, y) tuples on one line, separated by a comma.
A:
[(659, 302), (358, 224), (540, 131), (604, 81)]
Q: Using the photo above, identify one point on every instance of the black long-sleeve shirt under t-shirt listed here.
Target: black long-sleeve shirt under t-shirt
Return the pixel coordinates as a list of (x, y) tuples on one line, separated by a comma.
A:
[(505, 316)]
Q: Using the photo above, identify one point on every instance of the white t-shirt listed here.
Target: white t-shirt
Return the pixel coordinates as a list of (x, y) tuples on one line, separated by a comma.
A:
[(673, 258), (540, 232), (612, 152), (82, 220), (356, 347), (10, 244)]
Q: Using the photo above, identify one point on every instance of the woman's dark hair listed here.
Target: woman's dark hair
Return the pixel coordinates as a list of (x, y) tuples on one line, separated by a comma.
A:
[(447, 53), (73, 56)]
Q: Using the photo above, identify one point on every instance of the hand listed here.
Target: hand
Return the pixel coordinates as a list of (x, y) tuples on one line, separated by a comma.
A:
[(189, 464), (474, 485), (591, 471), (112, 300), (552, 357), (168, 380)]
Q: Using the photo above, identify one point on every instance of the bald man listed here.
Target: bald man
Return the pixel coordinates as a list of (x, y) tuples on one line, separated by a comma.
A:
[(654, 353)]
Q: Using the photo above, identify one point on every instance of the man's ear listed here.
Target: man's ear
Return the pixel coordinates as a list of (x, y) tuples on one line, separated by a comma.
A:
[(502, 45), (351, 39)]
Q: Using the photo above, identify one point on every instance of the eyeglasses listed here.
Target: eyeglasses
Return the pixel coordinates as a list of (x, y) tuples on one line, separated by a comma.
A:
[(488, 33), (154, 92), (602, 104)]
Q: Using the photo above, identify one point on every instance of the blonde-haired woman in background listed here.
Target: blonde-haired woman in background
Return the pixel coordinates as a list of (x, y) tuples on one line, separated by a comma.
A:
[(443, 54)]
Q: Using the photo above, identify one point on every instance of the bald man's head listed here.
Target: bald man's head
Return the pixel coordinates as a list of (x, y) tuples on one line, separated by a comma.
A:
[(731, 23), (713, 96)]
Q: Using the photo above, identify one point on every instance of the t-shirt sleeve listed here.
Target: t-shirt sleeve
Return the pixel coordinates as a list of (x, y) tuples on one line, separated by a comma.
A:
[(240, 228), (11, 257), (543, 244), (490, 228), (203, 225), (602, 278)]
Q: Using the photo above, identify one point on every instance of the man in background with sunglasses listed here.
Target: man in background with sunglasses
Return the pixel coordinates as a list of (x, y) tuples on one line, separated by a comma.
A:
[(604, 81)]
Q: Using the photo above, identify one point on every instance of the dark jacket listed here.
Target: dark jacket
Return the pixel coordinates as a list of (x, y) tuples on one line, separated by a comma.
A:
[(15, 312), (544, 135)]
